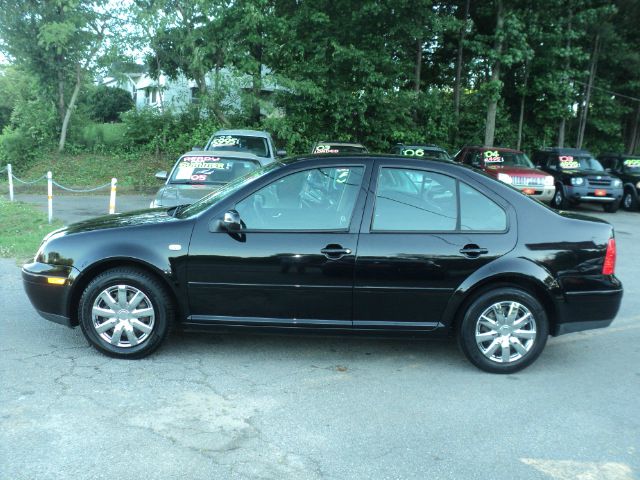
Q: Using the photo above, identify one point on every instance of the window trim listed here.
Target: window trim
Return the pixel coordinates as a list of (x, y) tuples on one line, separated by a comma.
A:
[(346, 229), (458, 230)]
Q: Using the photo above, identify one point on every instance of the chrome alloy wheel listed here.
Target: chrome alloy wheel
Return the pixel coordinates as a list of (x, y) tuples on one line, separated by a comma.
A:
[(505, 332), (123, 316), (628, 200)]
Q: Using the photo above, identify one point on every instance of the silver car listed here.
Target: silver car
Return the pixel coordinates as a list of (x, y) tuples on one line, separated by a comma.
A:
[(198, 173)]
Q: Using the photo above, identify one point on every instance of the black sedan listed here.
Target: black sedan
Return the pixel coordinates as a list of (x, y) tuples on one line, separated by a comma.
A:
[(337, 244)]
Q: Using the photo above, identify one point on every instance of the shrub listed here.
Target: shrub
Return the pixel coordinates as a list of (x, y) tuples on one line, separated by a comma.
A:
[(107, 103)]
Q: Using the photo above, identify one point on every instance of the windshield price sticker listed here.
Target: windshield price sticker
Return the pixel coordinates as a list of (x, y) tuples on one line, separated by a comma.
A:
[(418, 152), (567, 161), (632, 163), (204, 162), (225, 140), (325, 149), (492, 156)]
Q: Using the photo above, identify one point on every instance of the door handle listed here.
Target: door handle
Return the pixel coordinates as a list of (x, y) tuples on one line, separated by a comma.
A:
[(473, 251), (335, 252)]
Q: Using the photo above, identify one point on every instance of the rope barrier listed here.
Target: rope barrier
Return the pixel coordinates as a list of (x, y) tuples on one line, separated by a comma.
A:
[(74, 190), (50, 183), (29, 182)]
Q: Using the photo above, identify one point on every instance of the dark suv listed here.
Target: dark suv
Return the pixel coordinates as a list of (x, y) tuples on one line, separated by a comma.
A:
[(579, 177), (627, 167)]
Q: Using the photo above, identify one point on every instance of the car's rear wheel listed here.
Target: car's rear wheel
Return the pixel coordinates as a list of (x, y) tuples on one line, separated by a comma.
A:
[(503, 330), (629, 200), (125, 313)]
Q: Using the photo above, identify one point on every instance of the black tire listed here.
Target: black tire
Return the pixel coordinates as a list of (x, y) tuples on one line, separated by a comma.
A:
[(559, 201), (154, 296), (470, 322), (629, 200), (611, 207)]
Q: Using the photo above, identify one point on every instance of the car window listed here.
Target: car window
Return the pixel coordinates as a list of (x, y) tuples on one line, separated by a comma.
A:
[(316, 199), (414, 200), (478, 212), (240, 143), (510, 159), (207, 169)]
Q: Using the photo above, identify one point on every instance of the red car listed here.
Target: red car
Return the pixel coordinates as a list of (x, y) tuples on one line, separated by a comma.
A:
[(509, 166)]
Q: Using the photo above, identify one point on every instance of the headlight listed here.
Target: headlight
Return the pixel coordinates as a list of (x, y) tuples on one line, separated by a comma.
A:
[(617, 183), (506, 178), (577, 181), (638, 185), (548, 181)]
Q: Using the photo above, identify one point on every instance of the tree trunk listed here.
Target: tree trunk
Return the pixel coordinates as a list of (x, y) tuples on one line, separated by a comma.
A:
[(61, 93), (257, 86), (418, 74), (492, 107), (592, 75), (522, 103), (567, 65), (635, 133), (458, 80), (70, 107)]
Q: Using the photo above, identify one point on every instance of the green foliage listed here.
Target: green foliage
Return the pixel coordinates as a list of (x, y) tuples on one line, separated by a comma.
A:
[(103, 136), (107, 103), (23, 227)]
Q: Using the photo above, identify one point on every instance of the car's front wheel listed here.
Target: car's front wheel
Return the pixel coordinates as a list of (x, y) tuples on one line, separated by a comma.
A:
[(629, 200), (611, 207), (125, 312), (559, 201), (503, 330)]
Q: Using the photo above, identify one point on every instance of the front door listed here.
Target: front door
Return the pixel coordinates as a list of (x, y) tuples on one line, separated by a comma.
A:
[(292, 264), (423, 234)]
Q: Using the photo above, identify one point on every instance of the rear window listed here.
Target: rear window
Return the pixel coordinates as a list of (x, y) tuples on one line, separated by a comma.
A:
[(422, 152), (240, 143), (205, 169), (329, 148)]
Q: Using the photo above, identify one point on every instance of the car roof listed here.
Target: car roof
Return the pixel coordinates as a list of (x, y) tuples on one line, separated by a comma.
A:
[(565, 151), (223, 153), (366, 158), (342, 144), (499, 149), (246, 133), (618, 155)]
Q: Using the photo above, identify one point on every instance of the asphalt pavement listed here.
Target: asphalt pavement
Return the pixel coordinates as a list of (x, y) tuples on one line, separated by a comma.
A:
[(282, 407)]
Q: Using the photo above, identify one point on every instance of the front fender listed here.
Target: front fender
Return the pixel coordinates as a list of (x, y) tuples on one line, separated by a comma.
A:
[(518, 271)]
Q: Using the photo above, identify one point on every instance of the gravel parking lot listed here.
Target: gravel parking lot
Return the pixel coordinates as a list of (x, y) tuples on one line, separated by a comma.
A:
[(272, 407)]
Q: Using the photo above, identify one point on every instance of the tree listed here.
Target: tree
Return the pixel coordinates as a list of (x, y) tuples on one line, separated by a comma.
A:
[(107, 103), (58, 42)]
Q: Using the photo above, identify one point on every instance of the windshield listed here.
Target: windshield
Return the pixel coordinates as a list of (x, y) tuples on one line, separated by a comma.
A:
[(329, 148), (568, 162), (240, 143), (509, 159), (631, 165), (225, 191), (425, 152), (206, 169)]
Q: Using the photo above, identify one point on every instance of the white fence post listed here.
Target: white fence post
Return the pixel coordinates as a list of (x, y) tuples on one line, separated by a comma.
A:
[(10, 174), (112, 199), (50, 195)]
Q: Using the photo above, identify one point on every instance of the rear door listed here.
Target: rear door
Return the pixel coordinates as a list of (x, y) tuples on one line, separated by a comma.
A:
[(423, 233)]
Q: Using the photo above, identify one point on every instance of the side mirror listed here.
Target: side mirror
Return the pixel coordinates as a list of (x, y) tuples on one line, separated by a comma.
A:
[(281, 153), (161, 175), (195, 149), (231, 221)]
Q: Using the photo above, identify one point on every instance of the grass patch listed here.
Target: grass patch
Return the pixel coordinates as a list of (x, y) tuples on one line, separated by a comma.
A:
[(134, 171), (22, 229)]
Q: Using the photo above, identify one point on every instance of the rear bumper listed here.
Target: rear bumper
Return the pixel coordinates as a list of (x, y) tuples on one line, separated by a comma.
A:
[(50, 301), (587, 310)]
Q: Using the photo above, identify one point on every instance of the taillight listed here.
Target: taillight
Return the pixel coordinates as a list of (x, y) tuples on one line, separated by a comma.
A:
[(610, 258)]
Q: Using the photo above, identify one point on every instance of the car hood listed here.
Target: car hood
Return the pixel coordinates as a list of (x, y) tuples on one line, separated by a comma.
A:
[(129, 219), (182, 194), (518, 171)]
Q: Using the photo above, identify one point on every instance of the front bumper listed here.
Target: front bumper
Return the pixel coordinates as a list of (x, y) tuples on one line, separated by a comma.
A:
[(542, 193), (50, 300), (585, 193), (587, 310)]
